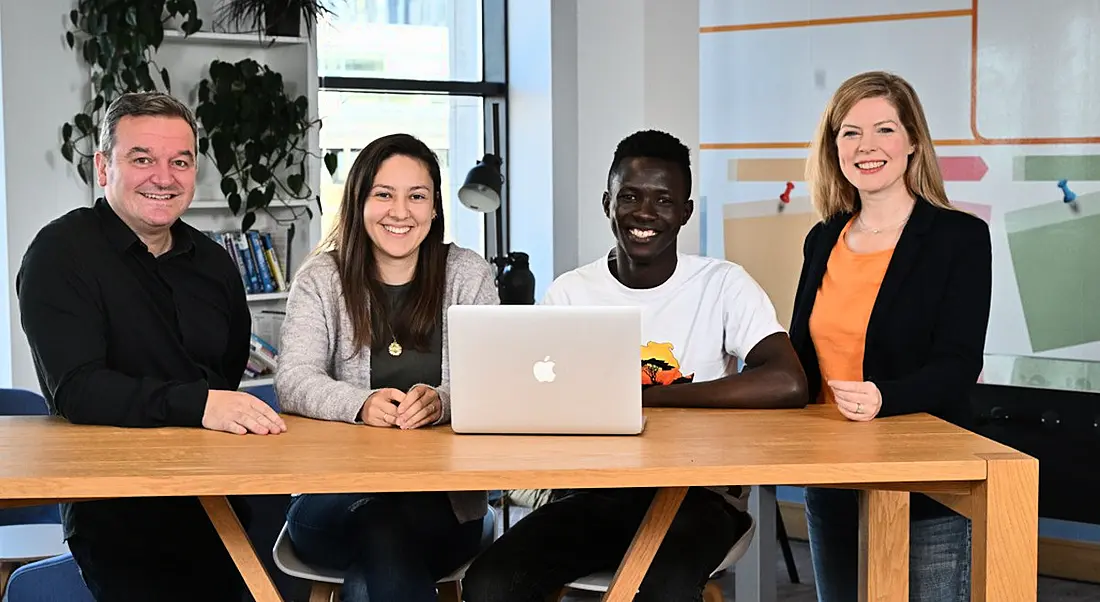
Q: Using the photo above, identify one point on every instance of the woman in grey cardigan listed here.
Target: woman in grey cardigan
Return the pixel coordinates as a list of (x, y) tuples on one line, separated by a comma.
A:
[(365, 342)]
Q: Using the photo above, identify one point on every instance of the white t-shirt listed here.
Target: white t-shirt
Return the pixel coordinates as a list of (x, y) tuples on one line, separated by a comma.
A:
[(695, 326)]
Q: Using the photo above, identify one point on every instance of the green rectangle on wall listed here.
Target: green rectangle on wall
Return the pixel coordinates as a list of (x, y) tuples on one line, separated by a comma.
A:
[(1056, 258), (1051, 168)]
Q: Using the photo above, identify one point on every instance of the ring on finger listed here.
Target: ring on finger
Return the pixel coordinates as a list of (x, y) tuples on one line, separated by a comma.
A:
[(859, 408)]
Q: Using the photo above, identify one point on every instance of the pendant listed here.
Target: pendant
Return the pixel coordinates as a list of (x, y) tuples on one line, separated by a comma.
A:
[(395, 349)]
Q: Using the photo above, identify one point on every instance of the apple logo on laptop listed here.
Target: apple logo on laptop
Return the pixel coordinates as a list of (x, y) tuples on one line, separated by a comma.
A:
[(544, 370)]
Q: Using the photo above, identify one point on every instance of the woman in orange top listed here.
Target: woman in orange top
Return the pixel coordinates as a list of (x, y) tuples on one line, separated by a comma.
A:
[(890, 315)]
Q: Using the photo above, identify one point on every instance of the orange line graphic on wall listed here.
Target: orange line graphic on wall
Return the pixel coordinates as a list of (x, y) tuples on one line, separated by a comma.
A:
[(660, 366)]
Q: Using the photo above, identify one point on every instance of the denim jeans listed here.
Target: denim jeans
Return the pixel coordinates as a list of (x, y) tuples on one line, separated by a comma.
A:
[(392, 547), (939, 550), (582, 532)]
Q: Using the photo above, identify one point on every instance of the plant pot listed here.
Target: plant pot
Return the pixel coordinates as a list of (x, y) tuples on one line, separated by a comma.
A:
[(282, 18)]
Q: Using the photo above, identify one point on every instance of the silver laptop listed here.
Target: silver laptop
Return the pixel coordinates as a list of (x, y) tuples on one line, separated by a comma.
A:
[(545, 369)]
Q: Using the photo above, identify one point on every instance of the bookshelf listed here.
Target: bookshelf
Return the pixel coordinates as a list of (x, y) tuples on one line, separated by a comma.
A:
[(262, 297), (213, 38), (249, 383)]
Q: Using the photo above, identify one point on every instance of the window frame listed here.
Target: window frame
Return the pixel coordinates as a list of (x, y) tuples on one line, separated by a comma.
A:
[(492, 89)]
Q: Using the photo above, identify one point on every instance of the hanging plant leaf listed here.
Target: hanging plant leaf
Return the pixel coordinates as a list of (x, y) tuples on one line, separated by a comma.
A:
[(295, 181), (229, 186), (255, 199), (260, 173), (83, 122), (247, 221), (331, 163), (234, 202)]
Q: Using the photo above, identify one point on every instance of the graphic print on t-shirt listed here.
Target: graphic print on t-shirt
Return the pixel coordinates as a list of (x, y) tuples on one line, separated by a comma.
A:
[(660, 366)]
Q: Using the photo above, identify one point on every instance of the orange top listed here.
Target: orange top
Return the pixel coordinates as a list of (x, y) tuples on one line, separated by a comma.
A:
[(838, 322)]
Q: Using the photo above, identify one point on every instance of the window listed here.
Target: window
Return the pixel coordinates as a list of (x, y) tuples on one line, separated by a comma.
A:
[(422, 67)]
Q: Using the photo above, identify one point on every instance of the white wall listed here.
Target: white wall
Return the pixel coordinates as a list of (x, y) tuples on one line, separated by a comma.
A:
[(42, 87), (5, 305), (614, 67)]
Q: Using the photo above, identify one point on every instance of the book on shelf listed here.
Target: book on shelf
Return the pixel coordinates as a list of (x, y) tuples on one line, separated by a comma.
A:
[(264, 344), (261, 257)]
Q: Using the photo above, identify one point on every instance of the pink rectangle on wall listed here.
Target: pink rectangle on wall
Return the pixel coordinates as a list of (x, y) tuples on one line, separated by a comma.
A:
[(983, 211)]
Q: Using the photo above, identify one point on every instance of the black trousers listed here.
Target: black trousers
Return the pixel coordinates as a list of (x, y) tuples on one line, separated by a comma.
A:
[(585, 531), (162, 549)]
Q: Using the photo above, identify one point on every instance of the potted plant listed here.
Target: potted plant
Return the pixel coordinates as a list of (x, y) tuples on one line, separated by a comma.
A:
[(117, 40), (256, 135), (272, 17)]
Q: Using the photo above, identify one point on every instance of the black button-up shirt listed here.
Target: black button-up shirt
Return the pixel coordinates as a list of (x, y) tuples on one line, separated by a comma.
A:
[(120, 337)]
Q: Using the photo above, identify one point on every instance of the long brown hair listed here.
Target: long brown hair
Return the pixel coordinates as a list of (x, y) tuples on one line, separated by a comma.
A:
[(830, 192), (419, 313)]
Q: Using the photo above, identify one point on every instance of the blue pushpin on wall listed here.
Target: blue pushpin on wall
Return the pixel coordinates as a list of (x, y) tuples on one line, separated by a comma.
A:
[(1068, 196)]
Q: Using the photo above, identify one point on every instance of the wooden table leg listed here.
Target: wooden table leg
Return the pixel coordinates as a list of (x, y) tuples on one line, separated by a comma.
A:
[(883, 546), (644, 546), (240, 549), (1005, 514)]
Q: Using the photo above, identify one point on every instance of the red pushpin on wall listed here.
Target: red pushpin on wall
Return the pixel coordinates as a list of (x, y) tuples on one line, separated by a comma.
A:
[(785, 198)]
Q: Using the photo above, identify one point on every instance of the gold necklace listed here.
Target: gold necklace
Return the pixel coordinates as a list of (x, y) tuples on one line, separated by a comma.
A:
[(395, 348), (864, 228)]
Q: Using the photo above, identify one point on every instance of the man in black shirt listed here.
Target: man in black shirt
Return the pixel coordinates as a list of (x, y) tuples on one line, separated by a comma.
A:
[(136, 319)]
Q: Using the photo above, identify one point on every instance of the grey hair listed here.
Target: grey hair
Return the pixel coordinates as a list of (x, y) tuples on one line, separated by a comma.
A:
[(141, 104)]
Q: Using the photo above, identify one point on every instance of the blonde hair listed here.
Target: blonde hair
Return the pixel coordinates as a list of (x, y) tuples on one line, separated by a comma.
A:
[(830, 192)]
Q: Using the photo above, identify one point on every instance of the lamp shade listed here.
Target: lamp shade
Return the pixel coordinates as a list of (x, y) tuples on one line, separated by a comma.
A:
[(481, 190)]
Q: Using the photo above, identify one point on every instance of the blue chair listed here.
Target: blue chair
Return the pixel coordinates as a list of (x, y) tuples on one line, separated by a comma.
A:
[(54, 579), (266, 394)]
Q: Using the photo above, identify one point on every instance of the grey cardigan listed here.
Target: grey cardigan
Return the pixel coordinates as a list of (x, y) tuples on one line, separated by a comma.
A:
[(316, 379)]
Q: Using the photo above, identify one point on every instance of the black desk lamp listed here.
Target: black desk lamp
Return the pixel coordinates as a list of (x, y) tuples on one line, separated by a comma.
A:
[(481, 192)]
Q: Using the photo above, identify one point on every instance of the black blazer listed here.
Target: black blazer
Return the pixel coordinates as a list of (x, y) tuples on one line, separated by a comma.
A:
[(926, 334)]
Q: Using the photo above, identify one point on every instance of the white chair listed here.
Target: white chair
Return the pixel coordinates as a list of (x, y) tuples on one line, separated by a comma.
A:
[(327, 582), (601, 581)]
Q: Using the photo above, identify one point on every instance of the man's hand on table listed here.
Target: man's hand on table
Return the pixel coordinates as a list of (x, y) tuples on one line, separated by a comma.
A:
[(240, 413)]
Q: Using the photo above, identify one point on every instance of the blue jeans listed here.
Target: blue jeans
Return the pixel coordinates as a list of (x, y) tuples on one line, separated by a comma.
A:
[(939, 550), (392, 547)]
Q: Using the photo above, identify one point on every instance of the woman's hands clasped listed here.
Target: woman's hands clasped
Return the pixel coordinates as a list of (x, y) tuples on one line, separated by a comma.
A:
[(391, 407)]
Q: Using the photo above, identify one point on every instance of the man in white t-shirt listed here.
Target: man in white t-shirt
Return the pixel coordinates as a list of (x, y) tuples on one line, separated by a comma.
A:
[(700, 315)]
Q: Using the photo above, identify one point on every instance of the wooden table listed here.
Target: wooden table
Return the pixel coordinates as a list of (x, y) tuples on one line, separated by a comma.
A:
[(46, 459)]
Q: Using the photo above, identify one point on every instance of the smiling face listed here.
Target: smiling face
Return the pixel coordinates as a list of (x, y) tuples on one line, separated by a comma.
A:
[(400, 207), (647, 204), (873, 146), (149, 178)]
